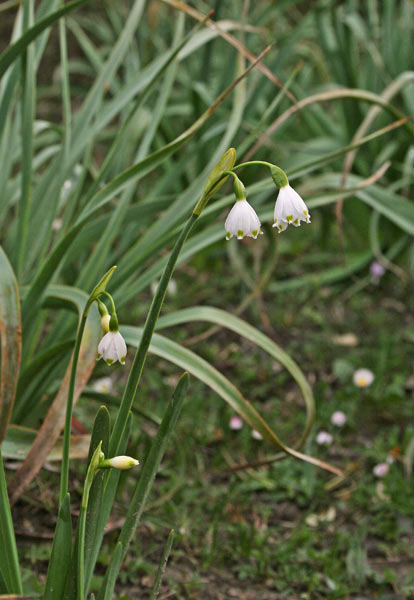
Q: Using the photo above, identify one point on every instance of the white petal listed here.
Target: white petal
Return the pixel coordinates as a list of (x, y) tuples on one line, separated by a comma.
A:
[(103, 344), (290, 208), (120, 347), (242, 221)]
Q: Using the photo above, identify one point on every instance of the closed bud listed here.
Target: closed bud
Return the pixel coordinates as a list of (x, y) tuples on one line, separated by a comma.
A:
[(119, 462)]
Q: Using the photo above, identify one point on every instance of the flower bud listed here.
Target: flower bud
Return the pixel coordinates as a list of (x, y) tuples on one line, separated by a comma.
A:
[(119, 462), (105, 323)]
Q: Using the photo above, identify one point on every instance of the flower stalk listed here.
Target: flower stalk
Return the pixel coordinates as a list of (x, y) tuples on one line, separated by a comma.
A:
[(94, 296)]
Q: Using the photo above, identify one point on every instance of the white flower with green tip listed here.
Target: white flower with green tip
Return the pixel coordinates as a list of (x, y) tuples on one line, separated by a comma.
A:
[(112, 347), (290, 209), (120, 462), (242, 221)]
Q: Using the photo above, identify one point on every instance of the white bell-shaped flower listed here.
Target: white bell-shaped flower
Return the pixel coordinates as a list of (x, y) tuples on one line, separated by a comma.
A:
[(112, 347), (290, 209), (242, 221)]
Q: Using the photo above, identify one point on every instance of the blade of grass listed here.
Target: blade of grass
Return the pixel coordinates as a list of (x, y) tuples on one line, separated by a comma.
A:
[(9, 565), (59, 562), (163, 564), (40, 282), (195, 365), (8, 56), (10, 339), (149, 470), (324, 97), (27, 117)]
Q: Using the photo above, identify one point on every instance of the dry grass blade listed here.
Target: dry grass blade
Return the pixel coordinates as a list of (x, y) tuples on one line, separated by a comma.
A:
[(55, 418), (195, 14), (387, 95), (268, 461), (322, 97), (369, 181)]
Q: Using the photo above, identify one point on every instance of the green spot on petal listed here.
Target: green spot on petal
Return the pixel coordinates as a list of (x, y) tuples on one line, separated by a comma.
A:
[(255, 232), (228, 235), (296, 221), (109, 361), (122, 361), (289, 218), (240, 234)]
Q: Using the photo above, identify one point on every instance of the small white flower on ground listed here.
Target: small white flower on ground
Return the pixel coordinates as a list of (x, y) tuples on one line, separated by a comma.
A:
[(338, 418), (376, 269), (381, 469), (242, 221), (256, 435), (103, 385), (290, 209), (112, 347), (363, 378), (324, 438), (122, 462), (235, 423)]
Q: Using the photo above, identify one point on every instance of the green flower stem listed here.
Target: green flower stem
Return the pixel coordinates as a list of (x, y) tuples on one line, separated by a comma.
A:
[(96, 292), (111, 300), (278, 175), (93, 467), (141, 354), (113, 323), (64, 475)]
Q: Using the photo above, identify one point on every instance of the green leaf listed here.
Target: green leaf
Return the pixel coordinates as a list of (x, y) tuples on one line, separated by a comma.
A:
[(19, 440), (204, 371), (225, 163), (240, 327), (101, 285), (16, 49), (152, 462), (163, 564), (107, 589), (10, 333), (104, 504), (61, 554), (9, 564)]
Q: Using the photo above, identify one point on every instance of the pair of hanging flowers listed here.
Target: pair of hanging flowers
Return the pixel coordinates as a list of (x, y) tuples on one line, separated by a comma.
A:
[(242, 221), (290, 209)]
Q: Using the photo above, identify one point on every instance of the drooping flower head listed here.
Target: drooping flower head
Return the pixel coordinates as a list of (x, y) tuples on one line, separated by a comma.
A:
[(242, 220), (290, 209), (112, 346)]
